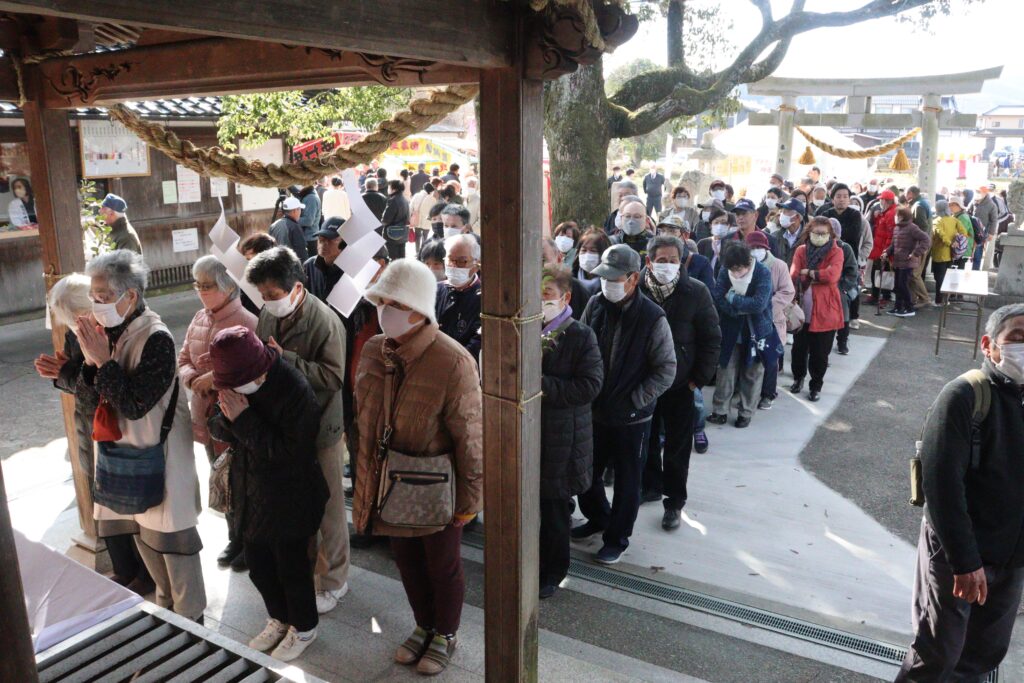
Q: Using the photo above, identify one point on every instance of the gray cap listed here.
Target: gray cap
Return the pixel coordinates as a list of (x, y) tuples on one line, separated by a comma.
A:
[(618, 260)]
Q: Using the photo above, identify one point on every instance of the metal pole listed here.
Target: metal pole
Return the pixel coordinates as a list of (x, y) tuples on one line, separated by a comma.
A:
[(18, 661)]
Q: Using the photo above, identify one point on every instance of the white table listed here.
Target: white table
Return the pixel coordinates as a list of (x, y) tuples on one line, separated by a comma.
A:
[(972, 287)]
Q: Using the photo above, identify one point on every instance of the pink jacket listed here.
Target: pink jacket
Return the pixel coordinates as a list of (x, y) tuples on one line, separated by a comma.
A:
[(783, 293), (193, 359)]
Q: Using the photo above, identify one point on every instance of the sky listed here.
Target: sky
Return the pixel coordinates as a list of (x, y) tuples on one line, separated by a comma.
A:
[(967, 40)]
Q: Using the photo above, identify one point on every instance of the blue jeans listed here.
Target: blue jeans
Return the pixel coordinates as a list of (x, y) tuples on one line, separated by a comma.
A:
[(979, 249), (698, 413)]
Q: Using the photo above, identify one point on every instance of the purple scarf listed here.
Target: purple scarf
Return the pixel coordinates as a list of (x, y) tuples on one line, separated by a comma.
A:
[(558, 320)]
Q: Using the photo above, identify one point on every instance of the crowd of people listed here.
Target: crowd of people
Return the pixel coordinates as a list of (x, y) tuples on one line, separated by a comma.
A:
[(640, 314)]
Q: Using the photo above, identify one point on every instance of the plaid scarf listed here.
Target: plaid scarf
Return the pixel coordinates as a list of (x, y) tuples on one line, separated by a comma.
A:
[(660, 292)]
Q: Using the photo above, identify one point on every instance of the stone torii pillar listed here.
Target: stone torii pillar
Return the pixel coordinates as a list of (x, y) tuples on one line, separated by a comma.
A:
[(931, 108), (784, 154)]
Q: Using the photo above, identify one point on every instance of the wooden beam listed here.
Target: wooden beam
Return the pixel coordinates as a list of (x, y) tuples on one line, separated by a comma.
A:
[(55, 183), (18, 662), (511, 120), (468, 32), (8, 81), (218, 66)]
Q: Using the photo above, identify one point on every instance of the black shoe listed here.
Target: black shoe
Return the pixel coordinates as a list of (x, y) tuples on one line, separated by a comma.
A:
[(797, 386), (238, 564), (670, 521), (350, 491), (141, 587), (843, 349), (585, 530), (609, 477), (742, 422), (813, 396), (232, 550), (547, 591), (650, 497), (361, 541), (717, 419), (700, 442)]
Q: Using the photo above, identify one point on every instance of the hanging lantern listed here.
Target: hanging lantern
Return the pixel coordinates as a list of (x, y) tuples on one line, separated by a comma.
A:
[(900, 162), (807, 158)]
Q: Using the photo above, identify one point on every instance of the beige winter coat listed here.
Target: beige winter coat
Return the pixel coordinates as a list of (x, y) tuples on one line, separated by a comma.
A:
[(438, 411)]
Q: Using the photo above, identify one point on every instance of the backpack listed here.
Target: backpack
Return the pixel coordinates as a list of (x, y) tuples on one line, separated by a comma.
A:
[(982, 402), (958, 248), (979, 229)]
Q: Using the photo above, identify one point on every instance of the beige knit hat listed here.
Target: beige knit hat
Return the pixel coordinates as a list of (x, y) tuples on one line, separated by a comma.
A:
[(408, 282)]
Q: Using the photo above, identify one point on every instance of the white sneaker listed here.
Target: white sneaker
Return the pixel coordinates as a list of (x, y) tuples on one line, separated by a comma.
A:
[(293, 645), (271, 635), (328, 600), (855, 324)]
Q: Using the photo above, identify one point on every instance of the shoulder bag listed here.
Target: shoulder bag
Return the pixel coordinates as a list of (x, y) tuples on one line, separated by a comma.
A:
[(415, 491), (130, 480)]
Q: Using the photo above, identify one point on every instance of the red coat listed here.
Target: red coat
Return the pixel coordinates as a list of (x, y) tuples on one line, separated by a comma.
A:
[(827, 311), (882, 229)]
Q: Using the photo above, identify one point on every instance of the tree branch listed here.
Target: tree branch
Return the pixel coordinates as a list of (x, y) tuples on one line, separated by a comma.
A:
[(648, 100)]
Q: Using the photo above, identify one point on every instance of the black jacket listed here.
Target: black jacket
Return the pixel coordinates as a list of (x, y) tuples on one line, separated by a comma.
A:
[(321, 276), (375, 202), (417, 181), (851, 223), (571, 379), (277, 489), (696, 335), (396, 211), (85, 402), (288, 233), (977, 512), (580, 297), (458, 314)]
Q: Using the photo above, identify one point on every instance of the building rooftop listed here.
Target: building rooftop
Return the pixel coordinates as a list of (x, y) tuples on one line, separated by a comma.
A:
[(1006, 110)]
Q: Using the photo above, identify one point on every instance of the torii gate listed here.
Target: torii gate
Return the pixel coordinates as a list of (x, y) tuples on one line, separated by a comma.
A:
[(858, 114)]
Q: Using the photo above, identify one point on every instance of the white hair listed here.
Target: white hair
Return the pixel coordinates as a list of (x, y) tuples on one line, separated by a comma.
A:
[(474, 245), (69, 298), (123, 270), (209, 266)]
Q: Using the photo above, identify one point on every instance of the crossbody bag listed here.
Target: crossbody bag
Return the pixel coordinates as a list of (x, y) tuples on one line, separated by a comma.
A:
[(415, 491)]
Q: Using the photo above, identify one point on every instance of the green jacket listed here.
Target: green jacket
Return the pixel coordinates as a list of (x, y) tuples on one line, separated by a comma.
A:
[(965, 220), (313, 340), (124, 236)]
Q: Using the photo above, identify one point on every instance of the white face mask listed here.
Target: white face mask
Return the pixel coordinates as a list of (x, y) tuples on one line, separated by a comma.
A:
[(457, 277), (452, 232), (665, 272), (283, 307), (564, 243), (719, 195), (817, 202), (759, 254), (818, 240), (784, 220), (721, 230), (1011, 361), (705, 215), (589, 261), (771, 203), (106, 314), (551, 309), (394, 322), (613, 291), (740, 284), (681, 202), (872, 188), (439, 274), (248, 388)]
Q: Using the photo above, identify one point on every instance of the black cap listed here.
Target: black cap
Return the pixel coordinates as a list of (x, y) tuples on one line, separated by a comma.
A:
[(618, 260), (330, 228)]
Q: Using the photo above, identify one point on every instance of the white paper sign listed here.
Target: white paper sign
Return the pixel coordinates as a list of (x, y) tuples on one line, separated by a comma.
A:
[(243, 284), (218, 187), (362, 220), (354, 257), (345, 296), (185, 240), (170, 189), (109, 150), (189, 186), (363, 277), (234, 261), (221, 234)]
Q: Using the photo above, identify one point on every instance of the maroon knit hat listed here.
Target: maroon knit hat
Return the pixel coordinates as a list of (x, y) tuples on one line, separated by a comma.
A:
[(238, 357), (757, 239)]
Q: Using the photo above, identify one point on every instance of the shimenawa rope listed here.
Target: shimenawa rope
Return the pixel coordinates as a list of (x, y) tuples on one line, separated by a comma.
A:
[(859, 153)]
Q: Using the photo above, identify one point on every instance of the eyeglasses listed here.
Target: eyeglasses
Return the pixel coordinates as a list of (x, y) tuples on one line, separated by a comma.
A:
[(204, 287), (461, 263)]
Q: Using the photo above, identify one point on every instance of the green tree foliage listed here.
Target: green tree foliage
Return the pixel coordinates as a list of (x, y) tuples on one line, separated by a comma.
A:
[(256, 117), (96, 237)]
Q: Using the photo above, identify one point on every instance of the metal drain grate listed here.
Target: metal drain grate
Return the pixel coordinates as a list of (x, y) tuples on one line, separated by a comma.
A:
[(144, 648), (170, 276)]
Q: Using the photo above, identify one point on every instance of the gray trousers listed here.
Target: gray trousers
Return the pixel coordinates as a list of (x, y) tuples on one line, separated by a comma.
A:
[(739, 385), (955, 640), (333, 555), (179, 580)]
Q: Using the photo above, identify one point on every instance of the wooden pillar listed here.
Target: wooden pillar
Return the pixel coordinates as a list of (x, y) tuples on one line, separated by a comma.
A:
[(511, 124), (18, 662), (55, 185), (784, 151)]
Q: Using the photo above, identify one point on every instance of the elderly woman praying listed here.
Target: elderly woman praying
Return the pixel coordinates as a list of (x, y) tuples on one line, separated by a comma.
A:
[(146, 482), (222, 308)]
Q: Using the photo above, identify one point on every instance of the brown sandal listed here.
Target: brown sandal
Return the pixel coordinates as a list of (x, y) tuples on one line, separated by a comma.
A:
[(413, 648), (437, 655)]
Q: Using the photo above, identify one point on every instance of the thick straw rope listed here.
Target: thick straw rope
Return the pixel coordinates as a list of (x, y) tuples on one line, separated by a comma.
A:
[(859, 153), (213, 161)]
